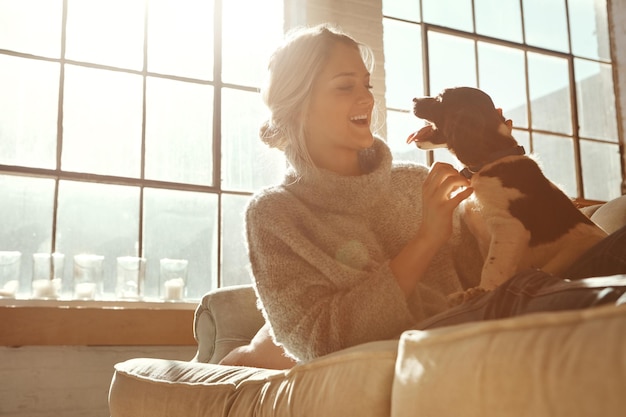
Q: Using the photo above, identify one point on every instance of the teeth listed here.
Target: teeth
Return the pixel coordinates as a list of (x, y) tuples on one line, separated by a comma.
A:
[(359, 117)]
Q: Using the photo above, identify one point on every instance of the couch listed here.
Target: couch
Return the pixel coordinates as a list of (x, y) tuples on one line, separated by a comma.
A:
[(567, 363)]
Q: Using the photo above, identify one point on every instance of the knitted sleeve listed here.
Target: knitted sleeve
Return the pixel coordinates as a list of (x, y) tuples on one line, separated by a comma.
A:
[(315, 303)]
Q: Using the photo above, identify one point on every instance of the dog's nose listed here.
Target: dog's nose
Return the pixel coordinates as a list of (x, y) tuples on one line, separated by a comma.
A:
[(414, 99)]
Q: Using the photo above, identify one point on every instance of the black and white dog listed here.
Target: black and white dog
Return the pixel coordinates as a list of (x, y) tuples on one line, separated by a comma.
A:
[(520, 219)]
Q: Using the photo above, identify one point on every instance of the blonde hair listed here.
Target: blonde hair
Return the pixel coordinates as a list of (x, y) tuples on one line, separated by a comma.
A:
[(293, 69)]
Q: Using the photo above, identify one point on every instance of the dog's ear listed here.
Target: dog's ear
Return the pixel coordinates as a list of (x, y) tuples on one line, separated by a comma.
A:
[(464, 122), (465, 129)]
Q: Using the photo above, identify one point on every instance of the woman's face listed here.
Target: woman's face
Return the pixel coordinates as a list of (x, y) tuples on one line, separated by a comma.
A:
[(338, 122)]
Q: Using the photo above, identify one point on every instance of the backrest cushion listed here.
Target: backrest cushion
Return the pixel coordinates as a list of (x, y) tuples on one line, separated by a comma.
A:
[(568, 364)]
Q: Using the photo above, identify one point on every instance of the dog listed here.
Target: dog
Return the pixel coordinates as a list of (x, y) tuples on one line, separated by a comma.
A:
[(520, 219)]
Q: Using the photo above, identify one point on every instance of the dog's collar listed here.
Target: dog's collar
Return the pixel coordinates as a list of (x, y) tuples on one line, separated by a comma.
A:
[(468, 172)]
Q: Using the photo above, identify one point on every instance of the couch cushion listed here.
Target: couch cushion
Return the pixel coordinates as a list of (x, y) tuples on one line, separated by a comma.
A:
[(611, 216), (545, 364), (352, 382)]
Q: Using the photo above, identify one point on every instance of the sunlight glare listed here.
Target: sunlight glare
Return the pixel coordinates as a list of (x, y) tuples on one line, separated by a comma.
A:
[(249, 38)]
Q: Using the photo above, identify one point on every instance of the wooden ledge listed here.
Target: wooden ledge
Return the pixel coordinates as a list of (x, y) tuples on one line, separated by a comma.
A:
[(85, 324), (582, 202)]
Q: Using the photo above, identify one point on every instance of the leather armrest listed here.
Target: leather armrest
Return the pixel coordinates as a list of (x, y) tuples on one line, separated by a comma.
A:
[(225, 319)]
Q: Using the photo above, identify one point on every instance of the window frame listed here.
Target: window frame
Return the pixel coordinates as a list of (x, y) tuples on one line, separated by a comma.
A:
[(426, 28), (140, 182), (116, 322)]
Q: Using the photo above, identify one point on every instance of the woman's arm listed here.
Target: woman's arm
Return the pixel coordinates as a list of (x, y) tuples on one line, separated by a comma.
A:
[(435, 229), (318, 304), (315, 303)]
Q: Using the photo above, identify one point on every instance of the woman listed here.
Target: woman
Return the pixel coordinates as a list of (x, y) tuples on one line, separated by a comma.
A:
[(351, 247)]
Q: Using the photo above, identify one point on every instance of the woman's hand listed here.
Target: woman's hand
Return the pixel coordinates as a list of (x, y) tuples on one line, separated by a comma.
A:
[(438, 204), (439, 201)]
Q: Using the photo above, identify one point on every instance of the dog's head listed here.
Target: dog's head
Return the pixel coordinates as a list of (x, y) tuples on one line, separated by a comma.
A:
[(464, 120)]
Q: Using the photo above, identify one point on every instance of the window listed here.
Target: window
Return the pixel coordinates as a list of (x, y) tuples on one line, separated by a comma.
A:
[(546, 64), (129, 128)]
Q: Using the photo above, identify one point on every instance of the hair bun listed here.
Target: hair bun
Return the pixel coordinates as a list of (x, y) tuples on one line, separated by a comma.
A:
[(272, 136)]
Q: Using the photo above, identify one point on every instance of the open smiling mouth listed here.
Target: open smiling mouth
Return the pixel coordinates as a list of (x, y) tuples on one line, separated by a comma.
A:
[(361, 120)]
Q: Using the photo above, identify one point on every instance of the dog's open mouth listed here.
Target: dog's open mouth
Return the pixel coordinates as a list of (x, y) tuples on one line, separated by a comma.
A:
[(422, 136)]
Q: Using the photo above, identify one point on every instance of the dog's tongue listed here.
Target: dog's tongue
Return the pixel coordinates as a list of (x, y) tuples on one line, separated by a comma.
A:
[(421, 135)]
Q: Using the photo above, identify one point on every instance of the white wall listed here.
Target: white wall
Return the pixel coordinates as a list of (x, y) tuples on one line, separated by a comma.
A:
[(617, 20), (74, 381), (66, 381)]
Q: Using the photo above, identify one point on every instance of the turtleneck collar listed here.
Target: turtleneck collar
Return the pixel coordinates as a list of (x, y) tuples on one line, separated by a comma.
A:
[(331, 191)]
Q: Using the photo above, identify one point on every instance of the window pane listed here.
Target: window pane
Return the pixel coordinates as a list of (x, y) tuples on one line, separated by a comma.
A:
[(402, 9), (556, 158), (31, 26), (523, 139), (404, 78), (444, 155), (181, 225), (179, 131), (108, 32), (180, 38), (589, 27), (601, 163), (235, 262), (596, 100), (499, 18), (102, 114), (26, 213), (28, 112), (100, 219), (245, 57), (452, 13), (452, 62), (247, 163), (550, 106), (399, 126), (546, 24), (502, 75)]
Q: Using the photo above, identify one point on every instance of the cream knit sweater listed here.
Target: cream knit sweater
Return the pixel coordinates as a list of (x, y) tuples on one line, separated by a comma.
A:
[(320, 245)]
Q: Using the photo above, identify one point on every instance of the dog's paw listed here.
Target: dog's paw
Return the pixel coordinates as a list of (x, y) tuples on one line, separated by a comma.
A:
[(461, 297), (456, 298)]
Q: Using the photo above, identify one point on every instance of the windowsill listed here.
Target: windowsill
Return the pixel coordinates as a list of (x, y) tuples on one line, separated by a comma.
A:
[(96, 323), (103, 322), (583, 202), (100, 303)]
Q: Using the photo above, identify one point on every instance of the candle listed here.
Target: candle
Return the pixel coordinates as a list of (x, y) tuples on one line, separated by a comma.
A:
[(10, 288), (130, 290), (174, 288), (9, 273), (87, 276), (44, 288), (131, 273), (173, 277), (47, 275), (85, 290)]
